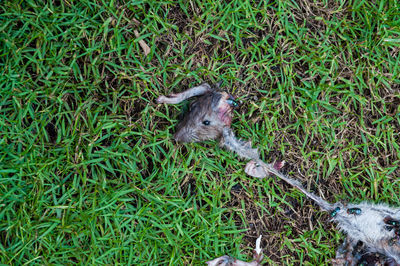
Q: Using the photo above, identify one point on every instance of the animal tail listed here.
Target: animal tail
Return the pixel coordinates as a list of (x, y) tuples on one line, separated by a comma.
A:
[(321, 202)]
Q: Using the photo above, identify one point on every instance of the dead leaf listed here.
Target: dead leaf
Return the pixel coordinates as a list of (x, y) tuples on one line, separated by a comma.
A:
[(145, 47)]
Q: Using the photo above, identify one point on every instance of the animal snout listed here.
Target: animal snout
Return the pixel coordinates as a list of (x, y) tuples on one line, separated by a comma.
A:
[(182, 136)]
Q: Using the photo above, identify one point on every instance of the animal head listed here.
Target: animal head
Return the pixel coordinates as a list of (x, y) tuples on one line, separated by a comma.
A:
[(206, 117)]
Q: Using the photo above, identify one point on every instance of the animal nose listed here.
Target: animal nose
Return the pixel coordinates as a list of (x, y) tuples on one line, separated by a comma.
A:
[(181, 136)]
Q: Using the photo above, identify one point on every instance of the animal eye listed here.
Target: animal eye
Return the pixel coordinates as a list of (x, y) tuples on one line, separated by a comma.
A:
[(206, 122)]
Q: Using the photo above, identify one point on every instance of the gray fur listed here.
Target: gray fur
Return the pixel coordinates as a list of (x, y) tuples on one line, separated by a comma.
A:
[(369, 225), (207, 115)]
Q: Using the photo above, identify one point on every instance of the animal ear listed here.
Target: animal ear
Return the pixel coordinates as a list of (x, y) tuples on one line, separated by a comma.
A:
[(193, 105)]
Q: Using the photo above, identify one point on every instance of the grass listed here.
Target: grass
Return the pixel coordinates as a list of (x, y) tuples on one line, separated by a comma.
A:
[(89, 173)]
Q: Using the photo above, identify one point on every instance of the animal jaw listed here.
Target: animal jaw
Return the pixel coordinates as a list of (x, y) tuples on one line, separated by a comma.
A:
[(225, 108)]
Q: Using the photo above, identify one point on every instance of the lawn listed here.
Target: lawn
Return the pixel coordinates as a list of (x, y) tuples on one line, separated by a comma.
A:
[(89, 172)]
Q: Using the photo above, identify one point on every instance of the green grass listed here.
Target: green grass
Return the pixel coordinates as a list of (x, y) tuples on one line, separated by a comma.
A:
[(88, 171)]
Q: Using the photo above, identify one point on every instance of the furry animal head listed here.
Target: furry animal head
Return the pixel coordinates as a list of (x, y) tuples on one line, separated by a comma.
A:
[(206, 118)]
